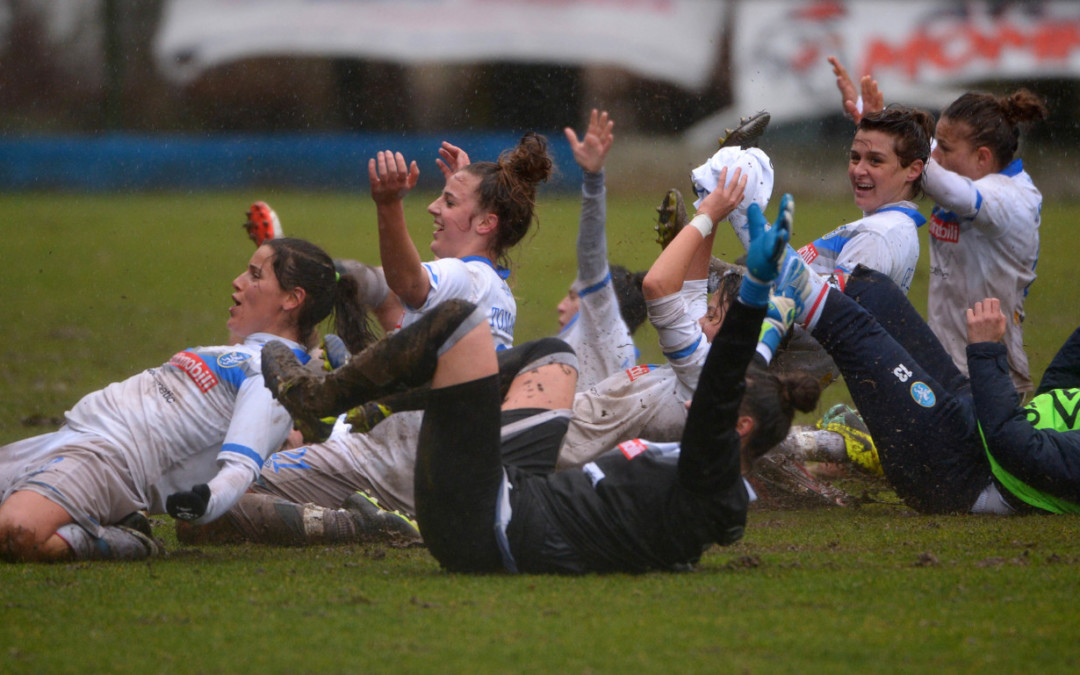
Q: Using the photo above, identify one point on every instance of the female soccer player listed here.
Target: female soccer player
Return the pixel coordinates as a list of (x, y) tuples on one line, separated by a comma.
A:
[(984, 229), (642, 506), (484, 210), (187, 437)]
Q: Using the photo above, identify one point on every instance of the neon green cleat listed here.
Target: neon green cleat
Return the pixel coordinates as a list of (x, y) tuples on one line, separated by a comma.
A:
[(846, 421)]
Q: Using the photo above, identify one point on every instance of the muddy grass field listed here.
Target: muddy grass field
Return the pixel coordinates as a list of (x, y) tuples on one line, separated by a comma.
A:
[(96, 288)]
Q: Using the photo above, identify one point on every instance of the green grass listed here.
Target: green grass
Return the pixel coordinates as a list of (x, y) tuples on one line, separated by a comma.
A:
[(95, 288)]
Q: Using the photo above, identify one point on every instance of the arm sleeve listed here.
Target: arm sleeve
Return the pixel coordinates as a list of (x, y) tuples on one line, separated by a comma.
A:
[(962, 196), (226, 488), (449, 278), (1064, 370), (1045, 459), (592, 239)]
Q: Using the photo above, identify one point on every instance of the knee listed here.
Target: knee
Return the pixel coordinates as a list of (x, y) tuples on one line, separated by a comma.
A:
[(18, 543)]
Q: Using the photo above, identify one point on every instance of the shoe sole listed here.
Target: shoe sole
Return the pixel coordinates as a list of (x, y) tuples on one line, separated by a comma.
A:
[(746, 134)]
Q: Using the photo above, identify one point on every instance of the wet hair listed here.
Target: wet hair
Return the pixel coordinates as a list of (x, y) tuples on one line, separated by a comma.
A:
[(911, 130), (771, 399), (627, 287), (508, 188), (300, 264), (995, 121)]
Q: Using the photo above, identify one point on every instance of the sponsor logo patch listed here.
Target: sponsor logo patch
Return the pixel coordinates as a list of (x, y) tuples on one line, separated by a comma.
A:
[(196, 369), (637, 371), (944, 231), (923, 394), (808, 253), (631, 449), (232, 359)]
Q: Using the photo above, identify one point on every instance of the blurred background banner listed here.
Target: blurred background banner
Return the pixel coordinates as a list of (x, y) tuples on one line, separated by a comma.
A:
[(669, 40), (159, 94), (921, 52)]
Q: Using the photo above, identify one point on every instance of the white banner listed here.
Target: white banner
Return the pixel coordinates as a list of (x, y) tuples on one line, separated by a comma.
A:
[(921, 52), (672, 40)]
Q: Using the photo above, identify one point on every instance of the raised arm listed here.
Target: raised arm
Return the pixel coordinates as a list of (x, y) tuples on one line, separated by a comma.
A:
[(591, 152), (692, 246), (391, 179)]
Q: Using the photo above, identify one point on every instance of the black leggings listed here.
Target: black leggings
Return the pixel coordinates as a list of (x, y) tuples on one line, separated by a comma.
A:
[(915, 402)]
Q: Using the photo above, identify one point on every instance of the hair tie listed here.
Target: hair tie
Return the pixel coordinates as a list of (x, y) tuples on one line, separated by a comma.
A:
[(337, 276)]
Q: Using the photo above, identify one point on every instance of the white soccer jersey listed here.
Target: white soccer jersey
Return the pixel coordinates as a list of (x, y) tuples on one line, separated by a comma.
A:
[(646, 401), (886, 240), (474, 279), (598, 333), (984, 242), (170, 427)]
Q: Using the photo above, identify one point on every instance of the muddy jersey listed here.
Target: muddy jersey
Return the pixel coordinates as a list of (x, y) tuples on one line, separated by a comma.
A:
[(886, 240), (984, 243), (474, 279), (597, 333), (646, 401), (173, 425)]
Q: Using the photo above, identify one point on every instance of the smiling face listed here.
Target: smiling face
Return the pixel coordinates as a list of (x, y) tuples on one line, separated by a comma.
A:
[(260, 304), (460, 224), (877, 178)]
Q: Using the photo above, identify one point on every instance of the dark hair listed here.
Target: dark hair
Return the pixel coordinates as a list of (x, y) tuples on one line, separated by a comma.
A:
[(300, 264), (771, 399), (508, 188), (627, 287), (994, 121), (911, 129)]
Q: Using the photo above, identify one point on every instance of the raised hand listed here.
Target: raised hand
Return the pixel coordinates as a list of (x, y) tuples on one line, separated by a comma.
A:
[(452, 159), (872, 98), (985, 321), (391, 179), (719, 203), (591, 151)]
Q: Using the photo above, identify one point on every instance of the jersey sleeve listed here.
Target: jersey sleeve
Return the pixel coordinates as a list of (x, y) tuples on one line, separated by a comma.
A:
[(449, 278), (258, 427), (1045, 459), (592, 238), (869, 248)]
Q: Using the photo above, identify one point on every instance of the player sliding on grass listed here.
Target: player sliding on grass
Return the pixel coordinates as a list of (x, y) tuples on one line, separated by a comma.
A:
[(946, 443), (187, 437), (641, 506)]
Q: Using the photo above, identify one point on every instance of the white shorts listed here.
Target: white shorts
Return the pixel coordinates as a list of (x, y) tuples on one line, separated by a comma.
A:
[(78, 472)]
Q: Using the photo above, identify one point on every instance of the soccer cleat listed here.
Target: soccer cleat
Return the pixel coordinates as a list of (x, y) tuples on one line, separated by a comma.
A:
[(746, 134), (859, 445), (262, 224), (364, 418), (672, 217), (374, 523), (292, 385)]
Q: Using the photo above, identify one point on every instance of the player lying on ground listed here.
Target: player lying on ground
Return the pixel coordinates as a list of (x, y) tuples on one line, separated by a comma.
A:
[(639, 507), (187, 437), (946, 443)]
